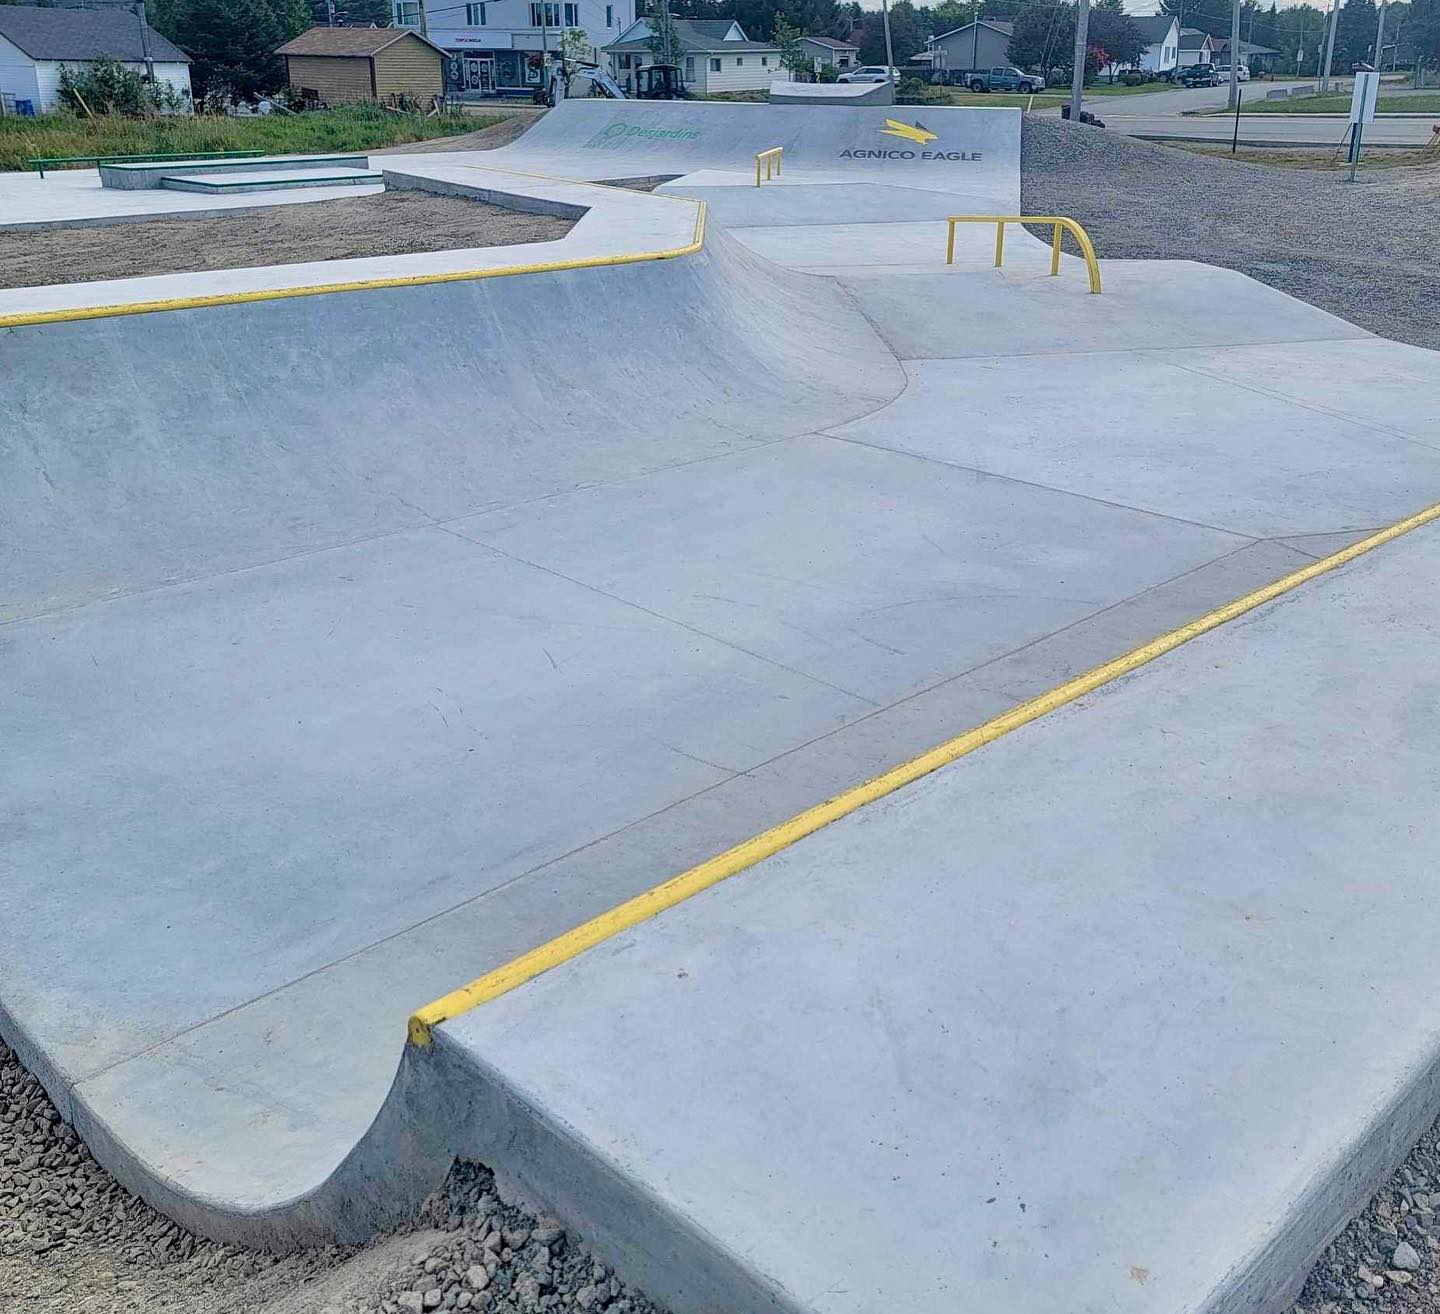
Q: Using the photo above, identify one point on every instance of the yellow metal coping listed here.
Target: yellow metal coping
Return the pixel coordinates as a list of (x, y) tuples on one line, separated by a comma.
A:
[(1058, 223), (773, 158), (360, 285), (745, 855)]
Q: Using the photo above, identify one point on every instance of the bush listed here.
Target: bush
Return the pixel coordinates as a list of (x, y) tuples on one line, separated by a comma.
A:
[(104, 86), (1133, 78)]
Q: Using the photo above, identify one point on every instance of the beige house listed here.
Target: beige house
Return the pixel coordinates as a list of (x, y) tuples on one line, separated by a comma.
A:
[(347, 64)]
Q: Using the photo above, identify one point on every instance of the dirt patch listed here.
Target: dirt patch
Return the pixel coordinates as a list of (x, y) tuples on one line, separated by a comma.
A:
[(390, 223), (482, 139)]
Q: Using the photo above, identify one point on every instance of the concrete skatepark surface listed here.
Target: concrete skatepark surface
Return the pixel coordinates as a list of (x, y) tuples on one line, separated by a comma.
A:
[(340, 684)]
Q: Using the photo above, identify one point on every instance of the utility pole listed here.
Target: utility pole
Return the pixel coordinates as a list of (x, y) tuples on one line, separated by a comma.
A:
[(889, 50), (1380, 39), (1234, 101), (145, 41), (1082, 51), (1329, 46)]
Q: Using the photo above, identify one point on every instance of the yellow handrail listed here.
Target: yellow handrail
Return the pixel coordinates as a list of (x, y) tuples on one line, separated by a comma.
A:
[(1058, 222), (772, 157)]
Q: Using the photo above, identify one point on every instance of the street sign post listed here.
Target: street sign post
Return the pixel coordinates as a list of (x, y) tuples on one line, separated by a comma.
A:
[(1362, 111)]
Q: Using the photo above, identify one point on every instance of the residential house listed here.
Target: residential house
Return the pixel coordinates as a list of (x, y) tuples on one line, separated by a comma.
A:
[(984, 43), (1196, 47), (827, 52), (494, 47), (36, 42), (348, 64), (1257, 58), (716, 55), (1162, 43)]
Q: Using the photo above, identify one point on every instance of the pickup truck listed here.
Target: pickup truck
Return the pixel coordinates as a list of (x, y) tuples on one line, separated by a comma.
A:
[(1197, 75), (1001, 79)]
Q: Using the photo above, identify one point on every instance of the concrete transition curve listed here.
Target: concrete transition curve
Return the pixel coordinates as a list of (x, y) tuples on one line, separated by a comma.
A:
[(363, 641)]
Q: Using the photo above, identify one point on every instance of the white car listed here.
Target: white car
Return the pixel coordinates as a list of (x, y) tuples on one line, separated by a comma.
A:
[(870, 73), (1222, 71)]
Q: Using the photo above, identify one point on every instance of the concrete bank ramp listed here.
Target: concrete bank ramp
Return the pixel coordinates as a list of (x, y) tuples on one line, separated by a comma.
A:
[(974, 153)]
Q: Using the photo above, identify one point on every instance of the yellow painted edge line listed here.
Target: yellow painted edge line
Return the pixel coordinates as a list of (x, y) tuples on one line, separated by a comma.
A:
[(770, 842), (364, 285)]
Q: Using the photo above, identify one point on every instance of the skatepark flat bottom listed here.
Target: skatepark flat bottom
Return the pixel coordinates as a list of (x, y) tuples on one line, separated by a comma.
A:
[(339, 683)]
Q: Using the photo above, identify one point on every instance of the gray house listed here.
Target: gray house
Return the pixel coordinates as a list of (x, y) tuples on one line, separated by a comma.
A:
[(828, 52), (981, 44), (37, 42)]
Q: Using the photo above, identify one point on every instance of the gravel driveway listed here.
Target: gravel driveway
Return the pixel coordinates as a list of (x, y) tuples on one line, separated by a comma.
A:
[(1368, 251)]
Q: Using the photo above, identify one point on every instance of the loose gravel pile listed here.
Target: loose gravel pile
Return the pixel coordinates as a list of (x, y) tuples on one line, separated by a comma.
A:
[(73, 1241), (1368, 251)]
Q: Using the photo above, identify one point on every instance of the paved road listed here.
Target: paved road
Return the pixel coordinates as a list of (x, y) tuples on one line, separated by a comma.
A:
[(1183, 100), (1272, 129)]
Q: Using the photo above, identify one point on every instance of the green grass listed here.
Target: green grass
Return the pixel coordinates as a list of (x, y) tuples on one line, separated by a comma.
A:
[(992, 99), (1120, 89), (352, 128), (1422, 104)]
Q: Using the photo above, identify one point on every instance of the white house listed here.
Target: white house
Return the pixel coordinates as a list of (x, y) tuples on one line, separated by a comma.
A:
[(716, 56), (36, 42), (827, 52), (1162, 42), (494, 46)]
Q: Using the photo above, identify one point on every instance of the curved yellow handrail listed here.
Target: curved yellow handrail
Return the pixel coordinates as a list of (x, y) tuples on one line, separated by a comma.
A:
[(771, 158), (1059, 223)]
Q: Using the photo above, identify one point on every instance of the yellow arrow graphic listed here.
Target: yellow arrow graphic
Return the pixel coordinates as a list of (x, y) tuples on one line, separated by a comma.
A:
[(917, 133)]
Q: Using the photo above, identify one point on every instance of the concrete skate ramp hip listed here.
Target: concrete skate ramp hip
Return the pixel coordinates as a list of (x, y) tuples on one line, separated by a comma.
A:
[(971, 152)]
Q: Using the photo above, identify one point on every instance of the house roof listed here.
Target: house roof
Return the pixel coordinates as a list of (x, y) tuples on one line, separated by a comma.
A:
[(1154, 28), (700, 36), (356, 42), (1248, 48), (1002, 25), (82, 34), (1192, 38), (831, 42)]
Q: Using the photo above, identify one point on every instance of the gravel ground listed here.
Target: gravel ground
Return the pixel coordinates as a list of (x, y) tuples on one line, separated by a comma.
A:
[(1368, 251), (389, 223), (73, 1241)]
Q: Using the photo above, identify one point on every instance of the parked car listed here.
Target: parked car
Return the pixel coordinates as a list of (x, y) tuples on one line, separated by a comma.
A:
[(1222, 71), (1002, 79), (870, 73), (1197, 75)]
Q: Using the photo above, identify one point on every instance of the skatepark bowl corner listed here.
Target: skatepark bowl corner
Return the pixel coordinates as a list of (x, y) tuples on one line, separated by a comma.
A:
[(848, 739)]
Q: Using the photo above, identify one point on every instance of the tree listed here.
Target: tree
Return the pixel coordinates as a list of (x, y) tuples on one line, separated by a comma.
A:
[(792, 53), (1115, 41), (908, 29), (1354, 33), (232, 44), (1423, 33), (1044, 38), (664, 38)]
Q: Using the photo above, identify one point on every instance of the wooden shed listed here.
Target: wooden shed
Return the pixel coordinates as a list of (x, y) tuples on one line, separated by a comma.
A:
[(347, 64)]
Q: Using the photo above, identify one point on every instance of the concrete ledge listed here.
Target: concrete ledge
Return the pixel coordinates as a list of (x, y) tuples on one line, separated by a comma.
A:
[(143, 175)]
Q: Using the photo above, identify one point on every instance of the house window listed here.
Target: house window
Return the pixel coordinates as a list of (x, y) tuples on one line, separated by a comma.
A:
[(551, 17), (689, 68), (739, 60), (609, 15), (714, 65), (572, 15), (764, 61), (475, 15), (407, 13)]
